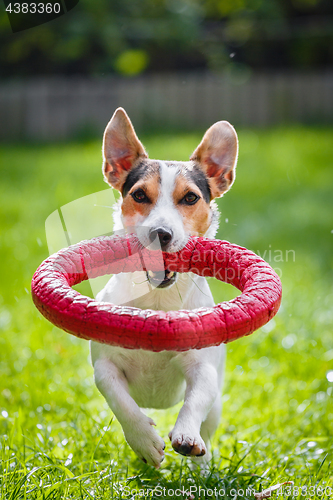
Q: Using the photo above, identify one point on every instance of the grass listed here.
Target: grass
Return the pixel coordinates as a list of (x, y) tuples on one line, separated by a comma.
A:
[(59, 440)]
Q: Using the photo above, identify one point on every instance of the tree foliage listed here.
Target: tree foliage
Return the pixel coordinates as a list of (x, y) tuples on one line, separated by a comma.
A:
[(129, 37)]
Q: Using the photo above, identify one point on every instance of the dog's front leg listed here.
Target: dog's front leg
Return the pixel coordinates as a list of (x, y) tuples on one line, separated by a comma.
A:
[(201, 397), (138, 428)]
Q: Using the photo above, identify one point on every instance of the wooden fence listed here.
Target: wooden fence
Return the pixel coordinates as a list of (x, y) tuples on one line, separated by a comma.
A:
[(59, 108)]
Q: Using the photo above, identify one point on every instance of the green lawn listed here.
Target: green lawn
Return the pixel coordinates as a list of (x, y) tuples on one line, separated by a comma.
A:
[(59, 440)]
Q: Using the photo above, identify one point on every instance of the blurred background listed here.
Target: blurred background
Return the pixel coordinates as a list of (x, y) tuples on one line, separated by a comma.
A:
[(170, 63), (176, 66)]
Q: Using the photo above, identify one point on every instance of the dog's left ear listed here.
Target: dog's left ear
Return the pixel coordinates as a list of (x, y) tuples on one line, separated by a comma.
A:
[(217, 156), (121, 149)]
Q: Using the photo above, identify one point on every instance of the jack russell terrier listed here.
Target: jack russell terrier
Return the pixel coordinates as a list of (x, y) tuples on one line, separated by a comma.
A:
[(164, 201)]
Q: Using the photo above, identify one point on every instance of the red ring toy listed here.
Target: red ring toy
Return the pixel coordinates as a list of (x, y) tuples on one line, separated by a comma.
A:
[(135, 328)]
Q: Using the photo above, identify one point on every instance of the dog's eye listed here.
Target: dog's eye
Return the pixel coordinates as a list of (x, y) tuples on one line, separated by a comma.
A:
[(190, 198), (140, 196)]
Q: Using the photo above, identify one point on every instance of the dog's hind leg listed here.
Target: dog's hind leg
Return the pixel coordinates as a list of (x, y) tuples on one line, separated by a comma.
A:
[(138, 428)]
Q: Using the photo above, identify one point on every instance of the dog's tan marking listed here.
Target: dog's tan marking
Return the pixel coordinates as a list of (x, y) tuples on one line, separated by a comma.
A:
[(196, 217), (135, 212)]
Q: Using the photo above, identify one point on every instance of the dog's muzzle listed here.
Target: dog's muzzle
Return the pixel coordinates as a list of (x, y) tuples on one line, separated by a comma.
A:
[(161, 279)]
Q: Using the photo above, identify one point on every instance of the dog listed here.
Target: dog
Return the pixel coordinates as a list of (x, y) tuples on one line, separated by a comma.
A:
[(164, 201)]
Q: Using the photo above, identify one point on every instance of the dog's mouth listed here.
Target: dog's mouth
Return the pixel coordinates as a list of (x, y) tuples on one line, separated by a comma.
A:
[(161, 279)]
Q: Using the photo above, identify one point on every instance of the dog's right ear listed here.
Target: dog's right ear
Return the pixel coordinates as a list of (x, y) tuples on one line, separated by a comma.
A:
[(121, 149)]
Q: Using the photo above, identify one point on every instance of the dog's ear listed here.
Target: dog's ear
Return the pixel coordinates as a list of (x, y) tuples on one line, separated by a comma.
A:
[(217, 156), (121, 149)]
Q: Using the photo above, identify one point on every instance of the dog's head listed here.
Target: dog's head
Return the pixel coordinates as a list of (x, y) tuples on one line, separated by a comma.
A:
[(166, 201)]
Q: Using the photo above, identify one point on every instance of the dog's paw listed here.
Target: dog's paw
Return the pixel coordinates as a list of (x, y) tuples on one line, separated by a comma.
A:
[(145, 442), (188, 444)]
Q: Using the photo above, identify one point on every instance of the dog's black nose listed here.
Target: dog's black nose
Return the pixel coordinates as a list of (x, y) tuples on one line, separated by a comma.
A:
[(163, 235)]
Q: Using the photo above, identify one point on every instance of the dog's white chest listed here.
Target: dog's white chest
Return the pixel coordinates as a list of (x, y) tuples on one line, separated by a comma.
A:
[(155, 380)]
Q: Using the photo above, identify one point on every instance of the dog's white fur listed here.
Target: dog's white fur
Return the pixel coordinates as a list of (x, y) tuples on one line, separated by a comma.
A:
[(134, 379)]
